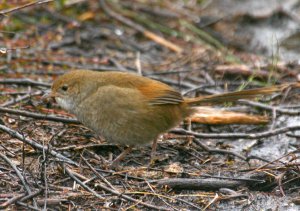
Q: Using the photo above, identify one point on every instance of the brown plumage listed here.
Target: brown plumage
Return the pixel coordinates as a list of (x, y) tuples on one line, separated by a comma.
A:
[(129, 109)]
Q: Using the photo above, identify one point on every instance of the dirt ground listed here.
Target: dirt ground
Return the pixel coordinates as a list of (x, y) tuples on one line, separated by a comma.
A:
[(49, 161)]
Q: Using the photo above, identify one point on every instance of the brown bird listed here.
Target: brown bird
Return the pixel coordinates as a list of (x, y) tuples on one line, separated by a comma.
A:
[(129, 109)]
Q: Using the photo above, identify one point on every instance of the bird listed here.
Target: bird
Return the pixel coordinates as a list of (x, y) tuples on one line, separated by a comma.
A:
[(130, 109)]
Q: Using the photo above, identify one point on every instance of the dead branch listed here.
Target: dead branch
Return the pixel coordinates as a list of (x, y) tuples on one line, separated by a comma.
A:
[(33, 194), (24, 81), (98, 174), (11, 201), (35, 145), (219, 151), (199, 184), (276, 160), (111, 189), (234, 196), (71, 174), (238, 135), (7, 11), (242, 70), (130, 198), (27, 188), (30, 196), (188, 203), (22, 98), (38, 116), (27, 206), (270, 108), (139, 28), (4, 50)]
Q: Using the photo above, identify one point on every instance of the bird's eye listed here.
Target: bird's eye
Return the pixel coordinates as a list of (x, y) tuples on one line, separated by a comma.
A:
[(64, 88)]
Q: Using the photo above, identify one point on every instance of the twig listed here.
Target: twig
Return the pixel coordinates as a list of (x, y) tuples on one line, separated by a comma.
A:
[(167, 72), (7, 11), (70, 173), (199, 184), (98, 174), (277, 159), (189, 203), (279, 179), (53, 201), (38, 116), (159, 196), (211, 202), (11, 201), (27, 188), (248, 180), (35, 145), (29, 207), (206, 37), (25, 198), (33, 194), (242, 70), (17, 172), (269, 108), (130, 198), (220, 151), (156, 11), (5, 50), (44, 170), (139, 28), (182, 85), (238, 135), (22, 98), (111, 189), (13, 93), (234, 196), (24, 81)]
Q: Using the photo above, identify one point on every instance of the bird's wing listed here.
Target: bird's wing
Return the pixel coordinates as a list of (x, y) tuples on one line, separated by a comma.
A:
[(160, 94), (155, 92)]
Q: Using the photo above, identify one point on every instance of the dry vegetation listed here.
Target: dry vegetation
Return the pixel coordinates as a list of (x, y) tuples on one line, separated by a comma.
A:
[(48, 160)]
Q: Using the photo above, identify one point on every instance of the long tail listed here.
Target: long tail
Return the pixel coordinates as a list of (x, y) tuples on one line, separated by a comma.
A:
[(234, 96)]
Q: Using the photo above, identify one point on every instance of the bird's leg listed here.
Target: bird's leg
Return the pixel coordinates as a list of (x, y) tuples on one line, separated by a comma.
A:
[(116, 161), (153, 151)]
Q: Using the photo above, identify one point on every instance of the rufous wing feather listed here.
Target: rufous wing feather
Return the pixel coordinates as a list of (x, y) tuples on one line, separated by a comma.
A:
[(159, 94)]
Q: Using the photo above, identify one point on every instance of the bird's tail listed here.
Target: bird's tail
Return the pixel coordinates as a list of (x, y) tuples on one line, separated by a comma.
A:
[(234, 96)]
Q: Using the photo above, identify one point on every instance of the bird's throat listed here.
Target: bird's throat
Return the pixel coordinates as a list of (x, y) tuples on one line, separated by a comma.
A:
[(65, 104)]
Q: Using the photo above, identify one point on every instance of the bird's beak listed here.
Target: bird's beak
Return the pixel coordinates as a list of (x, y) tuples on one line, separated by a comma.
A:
[(49, 96)]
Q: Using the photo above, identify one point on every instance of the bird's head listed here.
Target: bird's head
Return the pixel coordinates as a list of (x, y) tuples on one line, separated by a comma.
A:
[(69, 89)]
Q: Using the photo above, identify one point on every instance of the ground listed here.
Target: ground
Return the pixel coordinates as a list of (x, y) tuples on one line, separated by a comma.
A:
[(59, 164)]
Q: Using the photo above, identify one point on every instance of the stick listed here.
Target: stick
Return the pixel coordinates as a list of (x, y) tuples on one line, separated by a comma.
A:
[(7, 11), (139, 28), (35, 145), (38, 116), (238, 135)]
